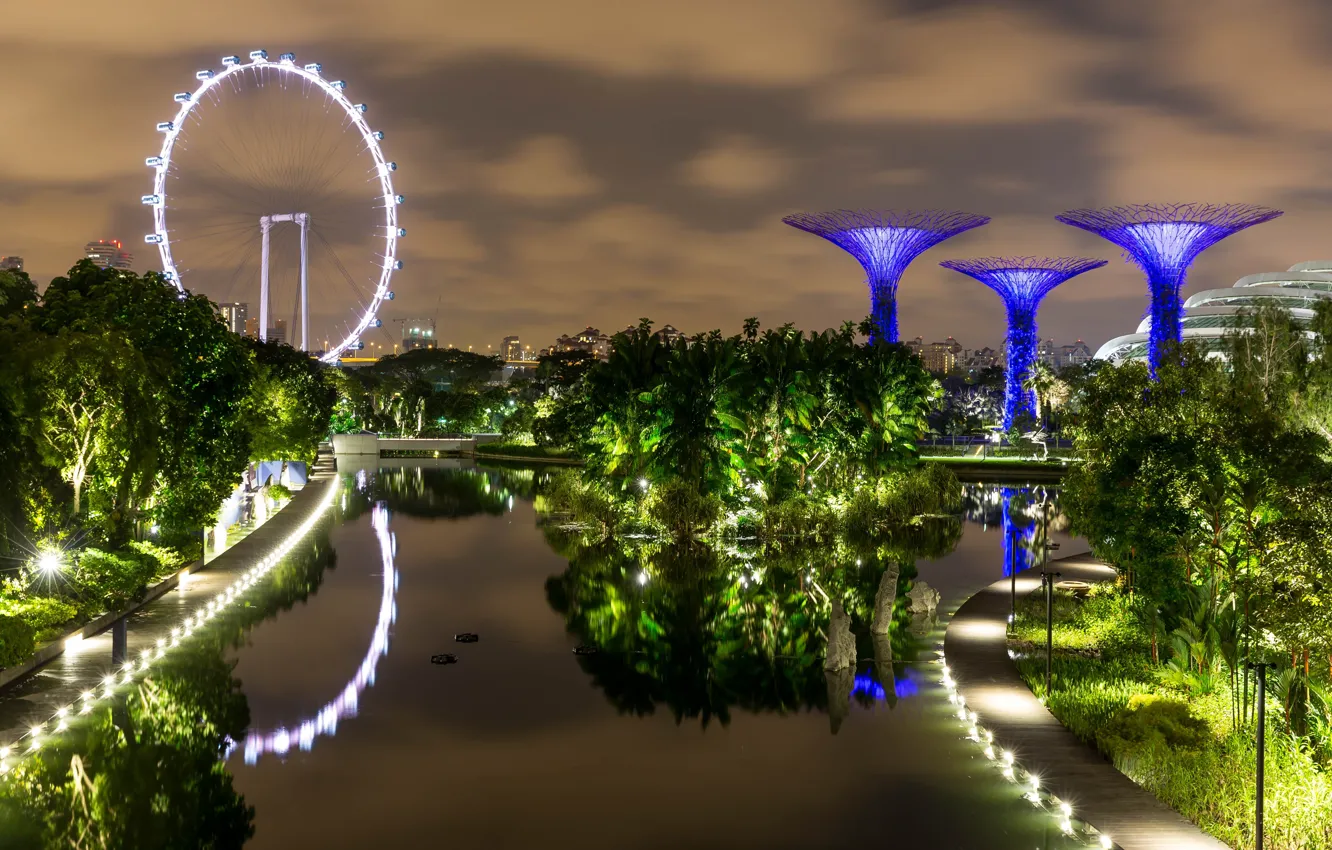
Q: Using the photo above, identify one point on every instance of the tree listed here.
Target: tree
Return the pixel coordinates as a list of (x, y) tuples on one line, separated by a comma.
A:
[(17, 293), (291, 403), (200, 371)]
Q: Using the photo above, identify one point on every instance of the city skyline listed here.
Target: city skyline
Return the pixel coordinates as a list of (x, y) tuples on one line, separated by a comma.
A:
[(651, 175)]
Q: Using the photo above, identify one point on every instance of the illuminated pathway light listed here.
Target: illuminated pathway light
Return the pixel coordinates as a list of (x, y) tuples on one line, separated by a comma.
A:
[(885, 242), (325, 722), (59, 722), (1022, 282), (211, 85), (1163, 240), (1005, 763)]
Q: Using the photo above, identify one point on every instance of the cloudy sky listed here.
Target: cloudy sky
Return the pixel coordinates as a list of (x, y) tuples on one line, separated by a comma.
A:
[(589, 162)]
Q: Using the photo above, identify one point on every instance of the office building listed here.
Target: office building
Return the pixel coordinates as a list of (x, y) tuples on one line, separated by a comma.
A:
[(278, 333), (252, 327), (109, 254), (236, 316), (939, 357), (418, 333)]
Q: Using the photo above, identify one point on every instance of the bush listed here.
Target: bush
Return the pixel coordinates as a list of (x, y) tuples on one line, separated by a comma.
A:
[(279, 492), (799, 516), (678, 506), (16, 640), (45, 614), (168, 560), (1149, 720), (108, 581)]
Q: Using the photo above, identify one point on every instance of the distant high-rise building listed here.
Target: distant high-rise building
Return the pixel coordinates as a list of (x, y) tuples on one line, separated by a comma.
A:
[(418, 333), (109, 254), (983, 358), (236, 316), (11, 264), (511, 348), (252, 327), (1070, 355), (942, 357), (278, 333)]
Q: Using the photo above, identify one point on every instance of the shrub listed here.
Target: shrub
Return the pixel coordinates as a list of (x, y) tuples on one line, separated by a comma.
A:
[(799, 516), (16, 640), (1149, 719), (679, 507), (168, 560), (108, 581), (45, 614), (279, 492)]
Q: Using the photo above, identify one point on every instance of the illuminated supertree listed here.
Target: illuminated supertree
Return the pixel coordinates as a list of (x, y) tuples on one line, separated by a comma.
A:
[(1163, 239), (885, 242), (1022, 282)]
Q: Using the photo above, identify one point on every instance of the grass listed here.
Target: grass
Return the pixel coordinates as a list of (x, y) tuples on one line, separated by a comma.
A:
[(1175, 743)]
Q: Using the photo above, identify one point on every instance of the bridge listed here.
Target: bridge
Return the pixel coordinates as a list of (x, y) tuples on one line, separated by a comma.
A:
[(367, 443)]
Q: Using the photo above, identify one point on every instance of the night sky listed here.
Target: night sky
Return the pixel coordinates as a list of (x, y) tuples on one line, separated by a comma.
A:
[(589, 162)]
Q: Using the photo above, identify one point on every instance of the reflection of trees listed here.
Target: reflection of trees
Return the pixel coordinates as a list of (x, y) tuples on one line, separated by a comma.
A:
[(1025, 515), (705, 632), (438, 493), (144, 769)]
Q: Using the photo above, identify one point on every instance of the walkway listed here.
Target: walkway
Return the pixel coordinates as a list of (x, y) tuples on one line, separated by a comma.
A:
[(36, 697), (977, 652)]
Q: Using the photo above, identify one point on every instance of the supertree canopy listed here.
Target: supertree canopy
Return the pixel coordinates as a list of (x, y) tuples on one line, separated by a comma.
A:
[(1022, 282), (1163, 239), (885, 242)]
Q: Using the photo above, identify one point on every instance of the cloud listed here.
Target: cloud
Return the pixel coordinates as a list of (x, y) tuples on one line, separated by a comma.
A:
[(737, 166), (545, 169)]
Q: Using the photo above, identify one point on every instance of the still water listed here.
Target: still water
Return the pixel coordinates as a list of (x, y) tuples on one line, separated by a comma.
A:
[(699, 715)]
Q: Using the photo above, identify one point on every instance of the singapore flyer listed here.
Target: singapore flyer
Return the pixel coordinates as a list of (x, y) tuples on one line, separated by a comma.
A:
[(271, 190)]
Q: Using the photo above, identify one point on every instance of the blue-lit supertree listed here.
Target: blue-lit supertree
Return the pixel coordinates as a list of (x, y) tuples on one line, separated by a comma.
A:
[(1164, 239), (885, 242), (1022, 282)]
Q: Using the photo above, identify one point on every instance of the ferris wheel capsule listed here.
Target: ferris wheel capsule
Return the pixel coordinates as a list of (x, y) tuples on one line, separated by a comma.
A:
[(377, 323), (151, 200), (397, 199), (228, 61), (205, 74), (361, 108), (156, 162), (153, 239), (340, 85), (314, 68), (397, 265), (181, 97), (166, 126), (402, 231), (379, 135), (259, 55), (288, 58), (388, 296)]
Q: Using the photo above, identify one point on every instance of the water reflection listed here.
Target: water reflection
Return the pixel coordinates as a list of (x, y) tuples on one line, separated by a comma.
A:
[(696, 633), (701, 631)]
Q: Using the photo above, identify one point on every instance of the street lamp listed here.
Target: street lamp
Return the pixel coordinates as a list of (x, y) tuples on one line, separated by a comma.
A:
[(1261, 700)]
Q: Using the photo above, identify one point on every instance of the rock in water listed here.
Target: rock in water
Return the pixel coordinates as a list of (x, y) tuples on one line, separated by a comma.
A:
[(840, 684), (444, 658), (924, 599), (922, 624), (467, 637), (883, 668), (841, 643), (884, 600)]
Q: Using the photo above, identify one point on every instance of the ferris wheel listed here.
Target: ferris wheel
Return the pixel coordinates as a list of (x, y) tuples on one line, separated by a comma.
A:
[(271, 183)]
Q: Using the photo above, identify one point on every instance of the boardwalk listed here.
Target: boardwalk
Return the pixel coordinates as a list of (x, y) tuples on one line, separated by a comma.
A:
[(35, 697), (977, 653)]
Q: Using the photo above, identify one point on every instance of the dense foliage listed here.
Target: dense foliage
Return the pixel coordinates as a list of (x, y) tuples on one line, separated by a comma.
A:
[(425, 392), (126, 411), (1208, 489)]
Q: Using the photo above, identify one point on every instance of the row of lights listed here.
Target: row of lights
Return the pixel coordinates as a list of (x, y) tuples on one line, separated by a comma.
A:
[(32, 740), (1007, 765)]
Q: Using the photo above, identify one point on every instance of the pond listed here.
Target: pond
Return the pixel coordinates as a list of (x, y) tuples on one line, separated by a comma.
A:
[(623, 694)]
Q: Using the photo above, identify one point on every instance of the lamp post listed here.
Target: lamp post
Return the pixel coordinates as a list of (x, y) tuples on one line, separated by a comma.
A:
[(1048, 579), (1012, 578), (1260, 701)]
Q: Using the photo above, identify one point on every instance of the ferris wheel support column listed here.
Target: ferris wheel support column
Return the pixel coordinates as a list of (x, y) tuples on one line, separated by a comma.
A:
[(303, 219), (265, 225)]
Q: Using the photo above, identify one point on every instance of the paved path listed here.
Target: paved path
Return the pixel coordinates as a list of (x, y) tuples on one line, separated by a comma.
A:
[(34, 698), (977, 652)]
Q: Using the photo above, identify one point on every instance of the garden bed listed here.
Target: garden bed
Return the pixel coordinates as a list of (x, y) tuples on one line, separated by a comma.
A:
[(1174, 732)]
